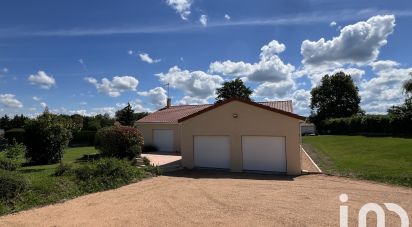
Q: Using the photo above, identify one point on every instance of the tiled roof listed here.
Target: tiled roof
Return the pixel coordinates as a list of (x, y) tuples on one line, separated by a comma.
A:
[(174, 113)]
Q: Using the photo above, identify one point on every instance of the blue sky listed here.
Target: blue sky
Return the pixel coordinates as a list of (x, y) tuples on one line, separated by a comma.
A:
[(92, 57)]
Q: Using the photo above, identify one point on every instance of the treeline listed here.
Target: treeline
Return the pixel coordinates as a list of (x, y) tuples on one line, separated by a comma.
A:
[(84, 127), (367, 124)]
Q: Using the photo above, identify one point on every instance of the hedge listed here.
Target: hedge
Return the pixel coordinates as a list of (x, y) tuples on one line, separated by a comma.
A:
[(368, 124)]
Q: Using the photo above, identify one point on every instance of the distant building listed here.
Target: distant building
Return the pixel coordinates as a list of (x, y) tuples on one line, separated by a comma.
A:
[(307, 129)]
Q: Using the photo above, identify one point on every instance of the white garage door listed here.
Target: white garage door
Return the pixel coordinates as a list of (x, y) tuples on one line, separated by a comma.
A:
[(212, 151), (264, 153), (163, 139)]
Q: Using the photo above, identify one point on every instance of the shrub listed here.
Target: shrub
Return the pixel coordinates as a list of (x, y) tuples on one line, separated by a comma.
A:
[(155, 170), (106, 173), (83, 138), (149, 148), (7, 164), (15, 151), (15, 134), (62, 169), (119, 141), (46, 138), (12, 185), (146, 161)]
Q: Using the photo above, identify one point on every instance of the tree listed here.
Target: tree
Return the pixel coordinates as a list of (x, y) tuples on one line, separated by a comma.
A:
[(233, 89), (125, 116), (336, 96), (407, 87), (404, 111), (46, 138), (5, 123)]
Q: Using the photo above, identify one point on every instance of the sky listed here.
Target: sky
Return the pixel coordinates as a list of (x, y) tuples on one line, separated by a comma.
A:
[(92, 57)]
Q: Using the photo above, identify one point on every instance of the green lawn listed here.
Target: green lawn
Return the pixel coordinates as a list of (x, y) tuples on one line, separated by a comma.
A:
[(46, 188), (383, 159)]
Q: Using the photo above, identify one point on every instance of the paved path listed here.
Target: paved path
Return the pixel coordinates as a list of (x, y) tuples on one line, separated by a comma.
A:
[(197, 198), (163, 158)]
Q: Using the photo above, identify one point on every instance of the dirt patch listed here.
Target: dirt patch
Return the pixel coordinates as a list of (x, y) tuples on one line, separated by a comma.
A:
[(189, 198)]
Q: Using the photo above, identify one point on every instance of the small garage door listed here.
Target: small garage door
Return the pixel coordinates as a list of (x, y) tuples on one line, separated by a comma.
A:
[(163, 139), (264, 153), (212, 151)]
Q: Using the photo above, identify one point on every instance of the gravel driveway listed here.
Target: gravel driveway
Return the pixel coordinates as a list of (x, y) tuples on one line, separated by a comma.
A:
[(191, 198)]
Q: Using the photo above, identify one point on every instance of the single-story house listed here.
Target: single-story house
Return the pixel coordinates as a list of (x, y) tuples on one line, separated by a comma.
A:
[(235, 134)]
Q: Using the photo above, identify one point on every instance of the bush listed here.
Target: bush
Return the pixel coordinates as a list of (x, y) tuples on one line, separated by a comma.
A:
[(105, 174), (62, 169), (149, 148), (15, 151), (46, 138), (146, 161), (119, 141), (155, 170), (15, 134), (12, 185), (7, 164), (83, 138)]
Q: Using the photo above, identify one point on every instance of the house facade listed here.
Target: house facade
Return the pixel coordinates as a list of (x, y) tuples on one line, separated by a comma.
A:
[(235, 135)]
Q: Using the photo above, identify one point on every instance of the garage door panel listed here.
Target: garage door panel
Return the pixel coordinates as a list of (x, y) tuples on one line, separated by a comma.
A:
[(264, 153), (163, 139), (212, 151)]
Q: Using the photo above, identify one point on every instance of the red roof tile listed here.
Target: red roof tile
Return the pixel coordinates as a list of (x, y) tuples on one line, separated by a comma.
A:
[(174, 113)]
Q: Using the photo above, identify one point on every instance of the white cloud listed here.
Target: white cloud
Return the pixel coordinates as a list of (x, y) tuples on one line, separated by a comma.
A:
[(189, 100), (5, 70), (35, 98), (274, 89), (83, 64), (358, 43), (196, 84), (333, 24), (10, 101), (43, 105), (137, 106), (385, 89), (383, 65), (315, 74), (146, 58), (227, 17), (203, 19), (83, 103), (157, 96), (116, 86), (182, 7), (130, 52), (270, 68), (42, 79)]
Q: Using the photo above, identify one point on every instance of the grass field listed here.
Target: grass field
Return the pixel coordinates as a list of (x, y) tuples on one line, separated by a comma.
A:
[(383, 159), (44, 187)]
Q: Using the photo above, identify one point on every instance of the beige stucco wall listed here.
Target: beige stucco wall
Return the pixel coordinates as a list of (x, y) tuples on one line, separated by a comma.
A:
[(251, 120), (147, 131)]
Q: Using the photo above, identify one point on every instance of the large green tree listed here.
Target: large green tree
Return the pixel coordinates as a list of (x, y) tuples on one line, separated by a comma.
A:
[(233, 89), (336, 96), (126, 115)]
